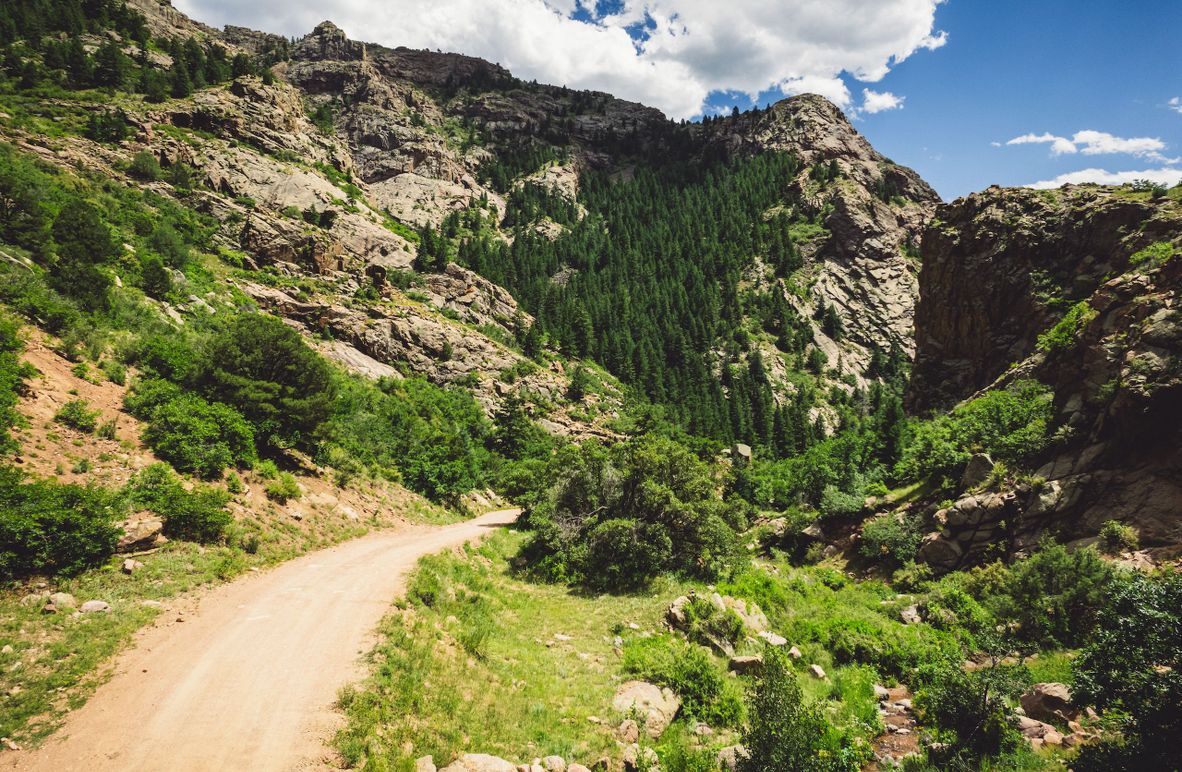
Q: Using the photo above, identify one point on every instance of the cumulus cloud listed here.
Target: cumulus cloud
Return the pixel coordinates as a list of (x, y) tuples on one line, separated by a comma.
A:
[(1162, 176), (877, 101), (1059, 145), (1175, 104), (667, 53), (1091, 142)]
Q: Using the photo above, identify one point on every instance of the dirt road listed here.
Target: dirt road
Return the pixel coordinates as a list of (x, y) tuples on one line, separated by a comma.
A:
[(248, 682)]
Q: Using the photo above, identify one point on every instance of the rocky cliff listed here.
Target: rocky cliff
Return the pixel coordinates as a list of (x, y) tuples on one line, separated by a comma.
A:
[(1079, 289), (332, 208)]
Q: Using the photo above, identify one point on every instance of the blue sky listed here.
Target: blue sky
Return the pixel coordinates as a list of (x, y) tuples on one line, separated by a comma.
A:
[(939, 86), (1011, 68)]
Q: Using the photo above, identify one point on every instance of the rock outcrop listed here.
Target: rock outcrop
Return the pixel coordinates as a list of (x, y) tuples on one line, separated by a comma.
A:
[(999, 269)]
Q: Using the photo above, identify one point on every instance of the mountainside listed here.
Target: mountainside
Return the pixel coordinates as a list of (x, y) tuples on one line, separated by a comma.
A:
[(1077, 289), (447, 142)]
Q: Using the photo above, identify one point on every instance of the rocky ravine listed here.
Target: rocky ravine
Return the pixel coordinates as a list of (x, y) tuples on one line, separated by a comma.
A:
[(999, 267)]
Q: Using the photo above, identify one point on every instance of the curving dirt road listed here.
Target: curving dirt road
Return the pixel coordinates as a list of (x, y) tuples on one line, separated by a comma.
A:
[(248, 682)]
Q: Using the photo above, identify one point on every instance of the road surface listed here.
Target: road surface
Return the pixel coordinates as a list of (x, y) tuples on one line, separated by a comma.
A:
[(248, 681)]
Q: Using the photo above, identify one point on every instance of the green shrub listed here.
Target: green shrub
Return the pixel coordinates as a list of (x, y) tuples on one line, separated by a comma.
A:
[(707, 624), (1053, 596), (631, 512), (706, 692), (629, 553), (1012, 425), (283, 488), (788, 732), (13, 373), (234, 484), (1133, 665), (837, 503), (197, 515), (972, 708), (892, 538), (145, 166), (1065, 333), (264, 369), (107, 431), (171, 357), (1153, 255), (115, 371), (50, 528), (77, 415), (1117, 537), (199, 437)]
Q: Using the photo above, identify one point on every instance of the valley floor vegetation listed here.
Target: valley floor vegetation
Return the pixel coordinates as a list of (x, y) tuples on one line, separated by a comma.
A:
[(515, 646)]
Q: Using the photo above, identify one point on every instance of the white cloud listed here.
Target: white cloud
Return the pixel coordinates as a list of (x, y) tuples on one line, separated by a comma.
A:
[(1161, 176), (690, 47), (1059, 145), (1092, 142), (876, 102), (833, 89), (1175, 104)]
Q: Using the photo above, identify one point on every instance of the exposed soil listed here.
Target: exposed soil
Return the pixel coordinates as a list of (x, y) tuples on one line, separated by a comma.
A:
[(248, 678)]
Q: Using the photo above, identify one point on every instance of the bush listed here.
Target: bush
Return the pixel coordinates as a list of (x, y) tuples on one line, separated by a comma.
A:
[(198, 515), (1117, 537), (788, 732), (707, 624), (145, 166), (972, 707), (199, 437), (170, 357), (892, 538), (632, 512), (707, 694), (13, 373), (262, 368), (77, 414), (283, 488), (628, 553), (1012, 425), (1134, 664), (1065, 333), (51, 528), (1053, 596), (837, 503)]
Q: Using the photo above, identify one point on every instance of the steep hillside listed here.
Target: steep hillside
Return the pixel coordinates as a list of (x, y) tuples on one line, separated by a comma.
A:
[(511, 176), (1077, 289)]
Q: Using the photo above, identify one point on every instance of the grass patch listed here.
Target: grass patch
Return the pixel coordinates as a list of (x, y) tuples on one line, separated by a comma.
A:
[(474, 663)]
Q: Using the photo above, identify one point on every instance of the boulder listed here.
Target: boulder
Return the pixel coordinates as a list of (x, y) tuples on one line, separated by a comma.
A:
[(746, 665), (655, 705), (425, 764), (140, 532), (976, 471), (910, 615), (1049, 702), (794, 652), (96, 607), (728, 757), (479, 762), (63, 600), (773, 639), (576, 768), (628, 731), (816, 671), (554, 764), (130, 566), (637, 758)]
